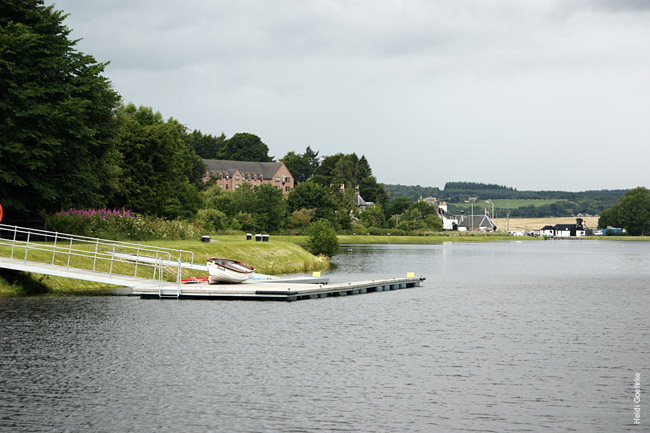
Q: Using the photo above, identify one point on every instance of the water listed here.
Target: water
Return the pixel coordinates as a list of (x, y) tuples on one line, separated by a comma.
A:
[(517, 337)]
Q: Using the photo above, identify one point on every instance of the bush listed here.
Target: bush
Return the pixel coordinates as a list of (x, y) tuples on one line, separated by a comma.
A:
[(212, 219), (120, 225), (322, 239)]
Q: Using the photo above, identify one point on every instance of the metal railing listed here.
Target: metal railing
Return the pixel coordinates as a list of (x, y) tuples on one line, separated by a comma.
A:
[(41, 246)]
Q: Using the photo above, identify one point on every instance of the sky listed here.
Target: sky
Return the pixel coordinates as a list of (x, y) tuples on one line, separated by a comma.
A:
[(535, 94)]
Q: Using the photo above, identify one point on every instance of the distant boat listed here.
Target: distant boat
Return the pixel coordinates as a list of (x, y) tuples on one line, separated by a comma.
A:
[(228, 271)]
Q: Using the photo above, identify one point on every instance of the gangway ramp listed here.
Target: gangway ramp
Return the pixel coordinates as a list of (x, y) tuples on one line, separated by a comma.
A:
[(125, 264), (155, 272)]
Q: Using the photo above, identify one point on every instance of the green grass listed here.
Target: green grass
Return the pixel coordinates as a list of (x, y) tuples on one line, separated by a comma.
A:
[(433, 238)]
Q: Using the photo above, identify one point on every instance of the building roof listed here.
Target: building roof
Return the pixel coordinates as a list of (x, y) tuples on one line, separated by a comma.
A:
[(361, 202), (477, 221), (266, 169), (566, 227)]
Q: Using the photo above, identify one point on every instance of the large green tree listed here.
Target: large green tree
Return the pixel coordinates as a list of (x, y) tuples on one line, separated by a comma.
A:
[(245, 147), (270, 208), (159, 167), (632, 213), (56, 115), (309, 195), (207, 146), (302, 166)]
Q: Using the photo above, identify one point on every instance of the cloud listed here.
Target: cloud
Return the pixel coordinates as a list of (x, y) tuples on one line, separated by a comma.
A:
[(472, 87)]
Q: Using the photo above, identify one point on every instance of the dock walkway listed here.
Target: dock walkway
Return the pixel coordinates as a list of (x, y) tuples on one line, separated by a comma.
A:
[(105, 261), (277, 291)]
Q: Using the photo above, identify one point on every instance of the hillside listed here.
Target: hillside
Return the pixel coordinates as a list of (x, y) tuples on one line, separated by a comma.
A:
[(507, 200)]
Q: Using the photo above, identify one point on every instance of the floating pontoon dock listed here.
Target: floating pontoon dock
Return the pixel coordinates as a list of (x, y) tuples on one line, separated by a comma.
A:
[(143, 269), (276, 291)]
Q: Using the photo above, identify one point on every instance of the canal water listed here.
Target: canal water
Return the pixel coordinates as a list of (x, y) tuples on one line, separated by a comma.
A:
[(502, 337)]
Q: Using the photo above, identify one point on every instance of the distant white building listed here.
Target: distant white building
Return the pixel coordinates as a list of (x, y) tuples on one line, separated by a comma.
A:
[(450, 221), (477, 223), (566, 230)]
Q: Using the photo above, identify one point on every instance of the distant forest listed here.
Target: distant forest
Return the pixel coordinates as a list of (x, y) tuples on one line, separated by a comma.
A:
[(567, 204)]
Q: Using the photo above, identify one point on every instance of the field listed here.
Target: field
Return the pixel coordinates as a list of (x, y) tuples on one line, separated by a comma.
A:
[(500, 206), (521, 224)]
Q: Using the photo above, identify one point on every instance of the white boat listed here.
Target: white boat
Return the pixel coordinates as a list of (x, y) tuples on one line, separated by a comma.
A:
[(228, 271)]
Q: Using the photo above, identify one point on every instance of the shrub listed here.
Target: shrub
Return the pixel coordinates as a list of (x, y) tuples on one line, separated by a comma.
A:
[(322, 239), (212, 219), (120, 224)]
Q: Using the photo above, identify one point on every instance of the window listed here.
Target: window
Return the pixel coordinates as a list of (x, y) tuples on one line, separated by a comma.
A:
[(277, 179), (237, 177)]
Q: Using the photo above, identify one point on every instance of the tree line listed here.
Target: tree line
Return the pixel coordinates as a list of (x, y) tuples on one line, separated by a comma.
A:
[(572, 203)]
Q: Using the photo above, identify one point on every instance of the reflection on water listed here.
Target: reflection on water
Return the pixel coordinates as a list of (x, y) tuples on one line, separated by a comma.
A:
[(527, 336)]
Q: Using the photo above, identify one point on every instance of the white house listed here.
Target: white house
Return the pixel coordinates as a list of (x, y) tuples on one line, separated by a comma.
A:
[(566, 230)]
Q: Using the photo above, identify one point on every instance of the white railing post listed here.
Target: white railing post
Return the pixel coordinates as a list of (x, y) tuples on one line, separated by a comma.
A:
[(27, 246), (178, 276), (56, 238), (110, 272), (137, 258), (13, 244), (69, 253), (96, 249)]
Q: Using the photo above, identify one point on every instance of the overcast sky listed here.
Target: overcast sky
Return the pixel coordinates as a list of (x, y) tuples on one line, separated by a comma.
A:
[(530, 94)]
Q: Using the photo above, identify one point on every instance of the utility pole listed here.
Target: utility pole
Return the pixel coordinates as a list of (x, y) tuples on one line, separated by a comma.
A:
[(472, 200)]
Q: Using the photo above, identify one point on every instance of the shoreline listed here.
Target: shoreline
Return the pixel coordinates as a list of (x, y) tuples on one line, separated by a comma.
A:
[(283, 254)]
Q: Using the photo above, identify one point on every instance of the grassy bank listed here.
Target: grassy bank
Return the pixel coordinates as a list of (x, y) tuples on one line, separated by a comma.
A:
[(429, 239), (277, 257)]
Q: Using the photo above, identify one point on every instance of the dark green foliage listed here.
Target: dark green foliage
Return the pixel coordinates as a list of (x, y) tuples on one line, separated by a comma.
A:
[(56, 115), (212, 219), (373, 216), (398, 206), (420, 216), (245, 147), (309, 195), (412, 192), (303, 166), (632, 213), (207, 146), (260, 209), (158, 166), (322, 239), (270, 208), (475, 186)]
